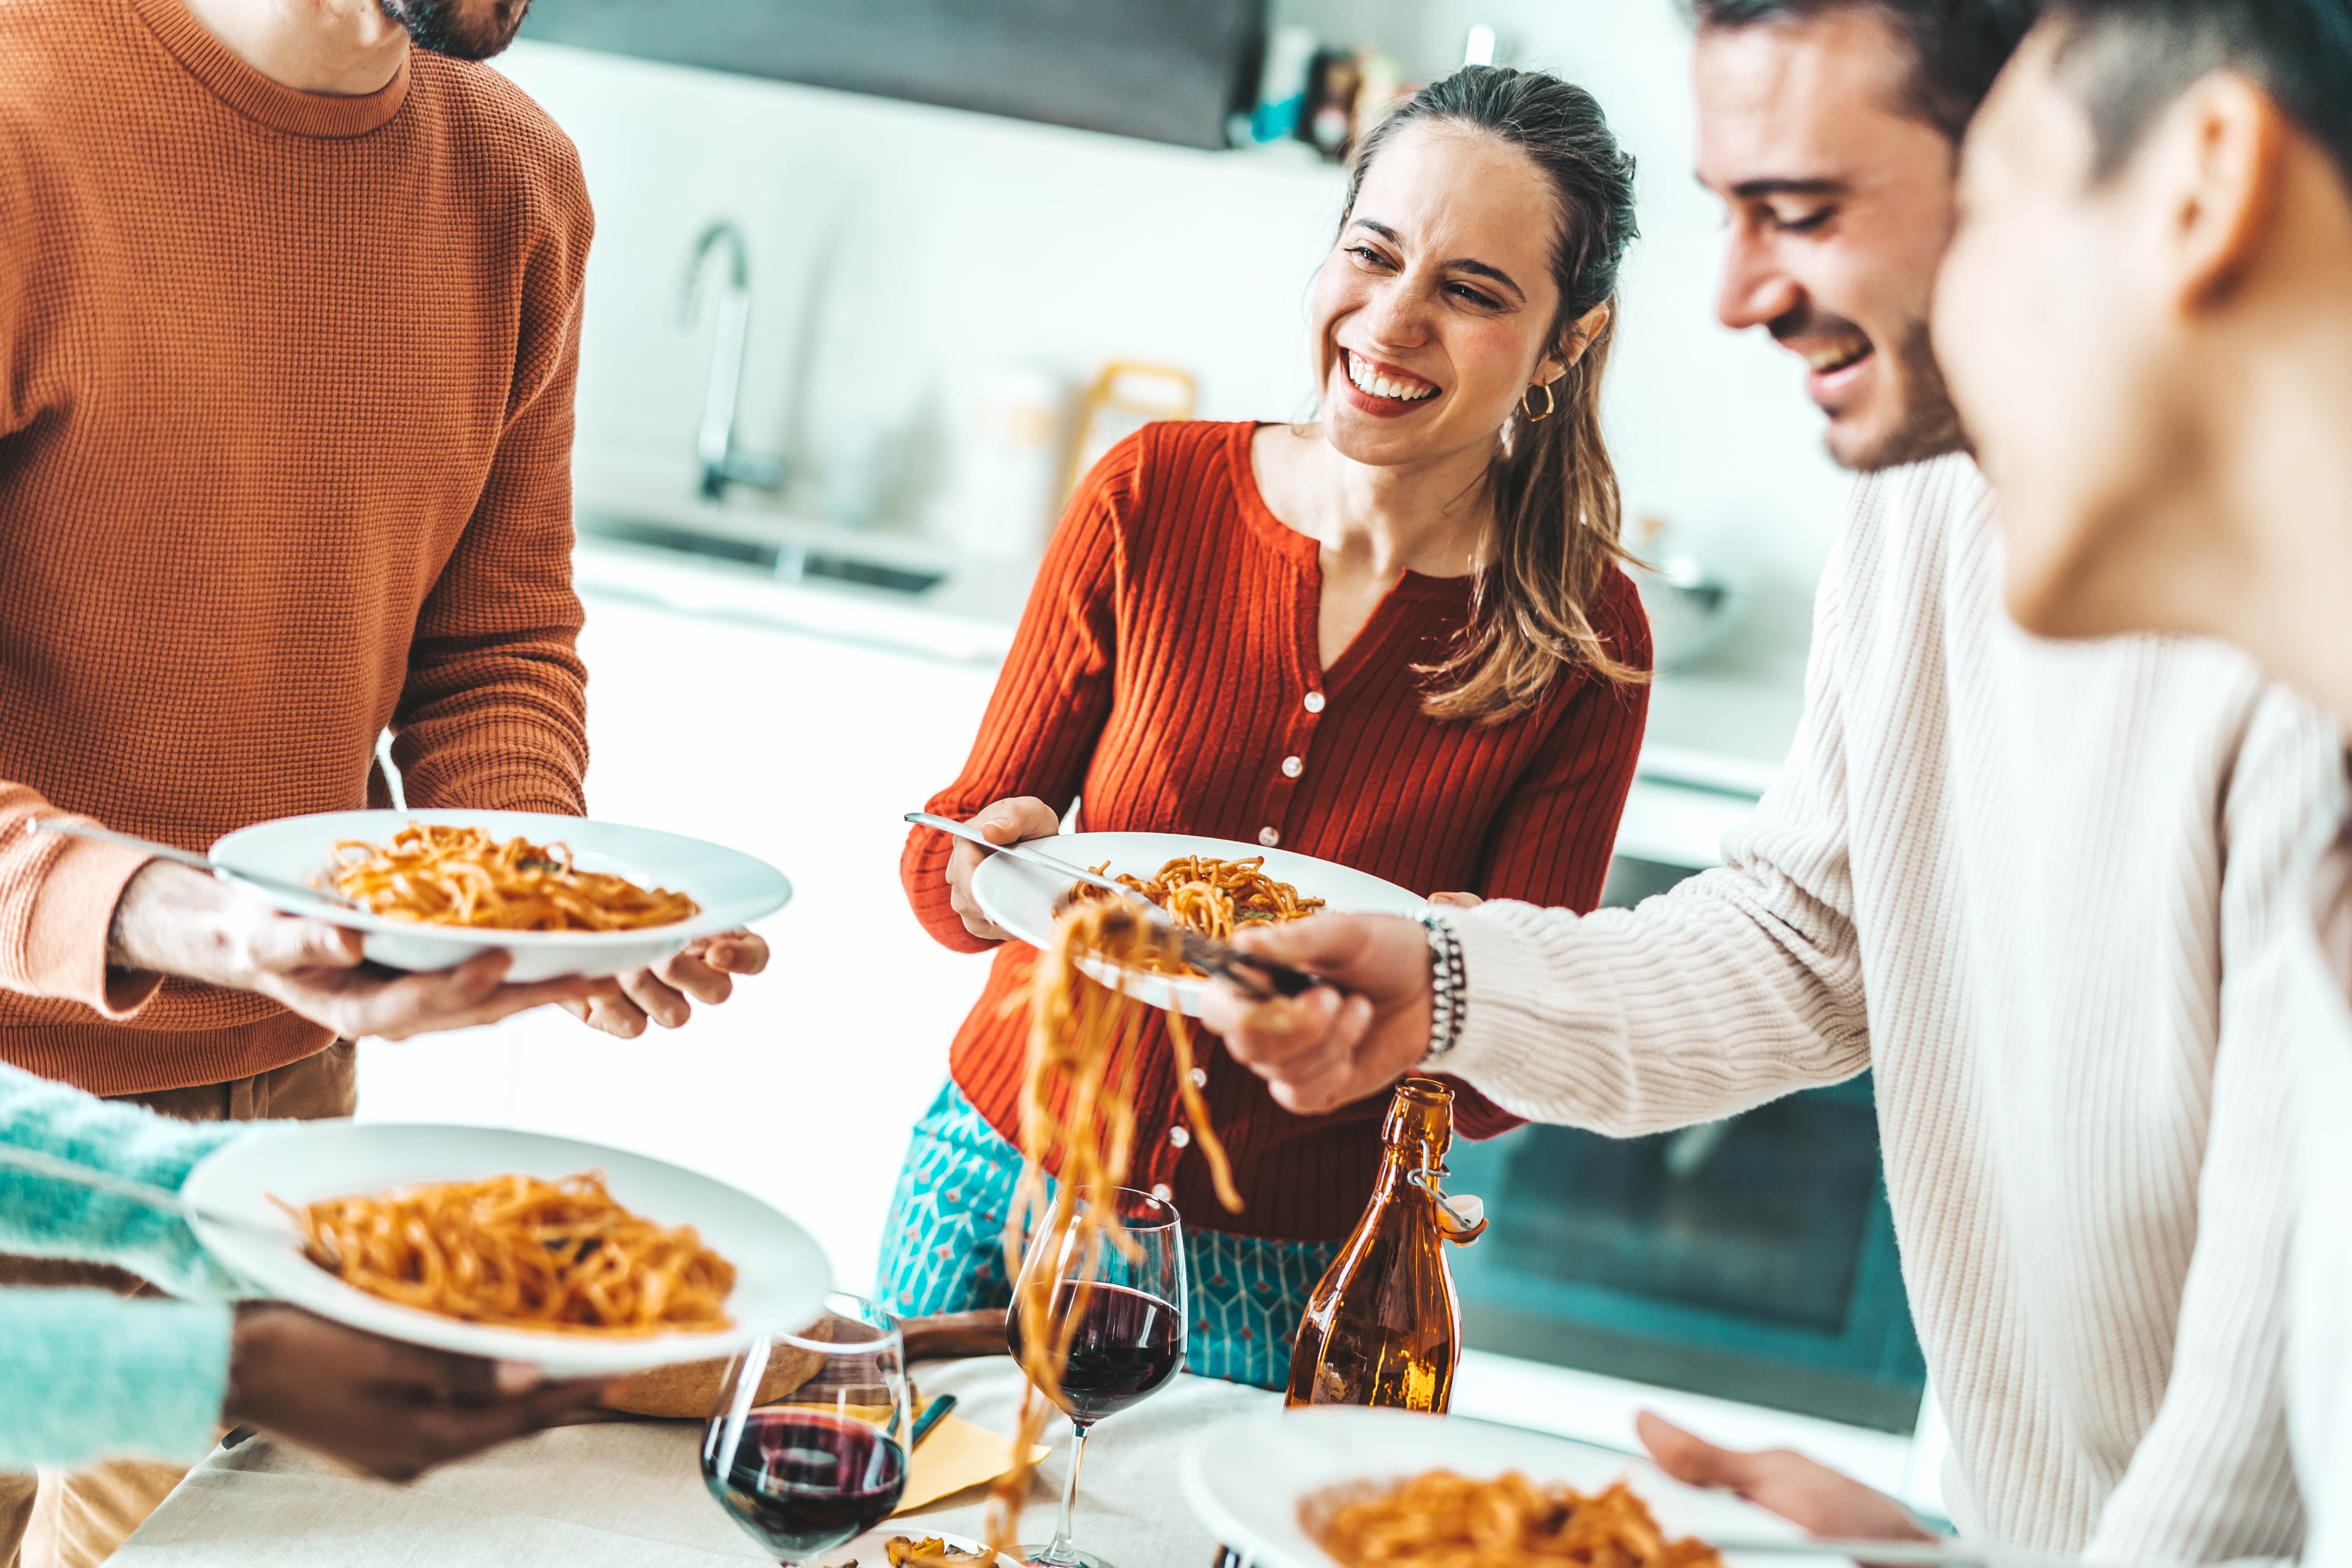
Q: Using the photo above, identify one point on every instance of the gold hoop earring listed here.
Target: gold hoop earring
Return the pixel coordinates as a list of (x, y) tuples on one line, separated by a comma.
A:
[(1526, 405)]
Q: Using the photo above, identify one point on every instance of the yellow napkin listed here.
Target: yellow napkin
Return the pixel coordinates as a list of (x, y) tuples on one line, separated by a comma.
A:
[(955, 1455)]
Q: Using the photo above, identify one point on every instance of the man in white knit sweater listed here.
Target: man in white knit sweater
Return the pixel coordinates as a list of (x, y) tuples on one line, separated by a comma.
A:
[(2034, 887)]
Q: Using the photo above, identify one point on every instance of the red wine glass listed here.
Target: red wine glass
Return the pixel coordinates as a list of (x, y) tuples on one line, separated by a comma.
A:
[(807, 1449), (1123, 1307)]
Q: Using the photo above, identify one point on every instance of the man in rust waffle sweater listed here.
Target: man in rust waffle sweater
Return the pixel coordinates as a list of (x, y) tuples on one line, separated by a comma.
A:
[(289, 307)]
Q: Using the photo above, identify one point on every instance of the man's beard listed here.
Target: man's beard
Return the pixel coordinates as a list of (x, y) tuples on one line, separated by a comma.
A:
[(1929, 426), (1926, 425), (462, 29)]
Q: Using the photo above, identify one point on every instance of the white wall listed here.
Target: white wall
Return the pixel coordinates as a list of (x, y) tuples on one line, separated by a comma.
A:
[(900, 251)]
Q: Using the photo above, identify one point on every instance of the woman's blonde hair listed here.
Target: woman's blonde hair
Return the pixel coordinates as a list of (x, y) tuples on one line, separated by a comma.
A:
[(1553, 492)]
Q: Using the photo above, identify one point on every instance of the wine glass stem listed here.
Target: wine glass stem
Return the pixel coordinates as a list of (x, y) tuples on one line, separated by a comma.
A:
[(1061, 1550)]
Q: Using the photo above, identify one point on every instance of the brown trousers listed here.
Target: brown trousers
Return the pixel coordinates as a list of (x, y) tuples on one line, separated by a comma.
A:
[(75, 1519)]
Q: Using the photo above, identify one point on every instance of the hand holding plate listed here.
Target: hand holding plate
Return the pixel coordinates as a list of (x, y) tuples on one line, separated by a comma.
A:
[(661, 993), (1821, 1501), (173, 921), (1009, 821), (389, 1409)]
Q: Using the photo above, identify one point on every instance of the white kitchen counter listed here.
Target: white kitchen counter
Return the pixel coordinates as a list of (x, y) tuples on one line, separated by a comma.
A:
[(964, 620)]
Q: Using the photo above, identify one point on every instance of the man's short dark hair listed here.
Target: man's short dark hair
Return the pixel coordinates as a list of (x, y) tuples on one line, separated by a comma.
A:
[(2129, 60), (1957, 47)]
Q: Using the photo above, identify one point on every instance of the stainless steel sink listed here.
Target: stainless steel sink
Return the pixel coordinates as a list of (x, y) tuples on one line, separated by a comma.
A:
[(789, 562)]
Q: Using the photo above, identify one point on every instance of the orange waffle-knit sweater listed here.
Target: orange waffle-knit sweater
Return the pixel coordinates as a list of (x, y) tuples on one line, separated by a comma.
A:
[(1167, 671), (285, 426)]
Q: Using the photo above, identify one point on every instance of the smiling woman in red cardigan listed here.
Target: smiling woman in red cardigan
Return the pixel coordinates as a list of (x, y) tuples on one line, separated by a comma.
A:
[(1399, 639)]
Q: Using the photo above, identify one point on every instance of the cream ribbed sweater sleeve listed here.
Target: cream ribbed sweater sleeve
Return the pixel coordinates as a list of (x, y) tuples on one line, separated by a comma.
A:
[(1737, 987), (2212, 1476), (2320, 1355)]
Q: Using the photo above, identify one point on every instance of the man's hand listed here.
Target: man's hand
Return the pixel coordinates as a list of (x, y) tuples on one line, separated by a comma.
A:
[(661, 995), (1817, 1499), (392, 1410), (1323, 1050), (172, 920), (1009, 821)]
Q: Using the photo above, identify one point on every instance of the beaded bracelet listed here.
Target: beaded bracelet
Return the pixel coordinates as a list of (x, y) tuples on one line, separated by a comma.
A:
[(1445, 988)]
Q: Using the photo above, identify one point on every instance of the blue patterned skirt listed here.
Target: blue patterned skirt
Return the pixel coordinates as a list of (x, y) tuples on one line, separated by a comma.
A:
[(944, 1252)]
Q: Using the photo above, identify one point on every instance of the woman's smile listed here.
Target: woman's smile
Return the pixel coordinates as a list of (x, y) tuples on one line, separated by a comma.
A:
[(1384, 390)]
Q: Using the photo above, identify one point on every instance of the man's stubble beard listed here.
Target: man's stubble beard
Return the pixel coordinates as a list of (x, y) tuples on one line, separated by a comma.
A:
[(460, 30), (1929, 426)]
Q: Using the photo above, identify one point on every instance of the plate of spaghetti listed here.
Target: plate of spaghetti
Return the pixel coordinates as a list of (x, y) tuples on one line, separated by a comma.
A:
[(583, 1259), (565, 895), (1391, 1489), (1215, 886)]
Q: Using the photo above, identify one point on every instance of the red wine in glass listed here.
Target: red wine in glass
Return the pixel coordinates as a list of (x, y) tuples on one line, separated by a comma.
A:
[(805, 1481), (1126, 1344), (1121, 1303)]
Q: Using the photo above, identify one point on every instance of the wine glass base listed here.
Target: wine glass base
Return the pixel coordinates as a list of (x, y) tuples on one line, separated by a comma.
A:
[(1072, 1557)]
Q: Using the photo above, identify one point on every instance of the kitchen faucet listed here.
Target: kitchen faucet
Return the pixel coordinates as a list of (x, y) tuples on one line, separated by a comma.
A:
[(714, 440)]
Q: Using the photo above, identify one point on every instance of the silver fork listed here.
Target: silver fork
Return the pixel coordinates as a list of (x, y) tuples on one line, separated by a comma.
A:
[(40, 1163), (1260, 979)]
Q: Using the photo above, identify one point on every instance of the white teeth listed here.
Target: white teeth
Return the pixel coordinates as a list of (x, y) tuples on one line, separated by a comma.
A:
[(1381, 386)]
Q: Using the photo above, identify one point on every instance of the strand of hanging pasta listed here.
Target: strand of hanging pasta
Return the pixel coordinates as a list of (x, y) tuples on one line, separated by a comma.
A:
[(1072, 1109)]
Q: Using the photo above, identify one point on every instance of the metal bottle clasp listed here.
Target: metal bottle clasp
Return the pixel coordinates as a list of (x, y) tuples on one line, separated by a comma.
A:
[(1466, 1217)]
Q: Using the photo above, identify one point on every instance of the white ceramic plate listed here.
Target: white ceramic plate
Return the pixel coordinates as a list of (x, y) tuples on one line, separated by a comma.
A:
[(1244, 1478), (732, 889), (780, 1275), (1026, 899)]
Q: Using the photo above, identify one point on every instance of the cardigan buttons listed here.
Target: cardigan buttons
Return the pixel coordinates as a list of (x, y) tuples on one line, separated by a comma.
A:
[(1268, 836), (1315, 702), (1200, 1077), (1293, 767), (1180, 1135), (1162, 1191)]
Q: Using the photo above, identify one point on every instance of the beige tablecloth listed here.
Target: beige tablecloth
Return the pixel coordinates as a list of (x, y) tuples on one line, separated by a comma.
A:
[(631, 1496)]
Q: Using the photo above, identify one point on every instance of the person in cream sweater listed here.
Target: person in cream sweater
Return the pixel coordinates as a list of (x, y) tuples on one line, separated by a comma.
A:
[(2035, 888), (2160, 223)]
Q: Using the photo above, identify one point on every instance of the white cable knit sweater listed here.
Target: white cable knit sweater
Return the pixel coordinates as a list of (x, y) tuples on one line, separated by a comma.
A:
[(2319, 1398), (2033, 886)]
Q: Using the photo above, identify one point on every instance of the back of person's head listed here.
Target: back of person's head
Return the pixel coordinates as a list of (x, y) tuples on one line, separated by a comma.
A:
[(2130, 59), (1558, 513), (1957, 47)]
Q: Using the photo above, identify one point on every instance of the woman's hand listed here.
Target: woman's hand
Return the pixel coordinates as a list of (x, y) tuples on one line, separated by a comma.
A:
[(1009, 821), (389, 1409), (660, 994), (1323, 1050)]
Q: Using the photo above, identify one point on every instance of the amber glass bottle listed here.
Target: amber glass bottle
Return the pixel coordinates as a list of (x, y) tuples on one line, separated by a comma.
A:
[(1384, 1327)]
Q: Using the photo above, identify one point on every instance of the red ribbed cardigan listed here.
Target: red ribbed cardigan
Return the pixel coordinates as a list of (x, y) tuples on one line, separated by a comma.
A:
[(1165, 670)]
